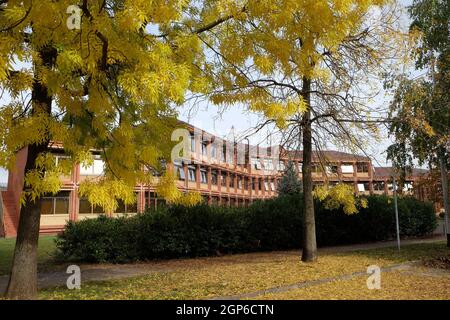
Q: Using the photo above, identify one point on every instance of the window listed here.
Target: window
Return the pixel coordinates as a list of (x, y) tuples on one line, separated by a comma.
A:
[(223, 180), (126, 208), (316, 168), (96, 168), (150, 200), (378, 186), (362, 167), (85, 207), (256, 164), (191, 174), (245, 183), (224, 152), (192, 143), (347, 168), (59, 158), (232, 180), (408, 186), (272, 186), (332, 169), (204, 148), (58, 204), (213, 151), (281, 166), (214, 177), (230, 153), (203, 176), (179, 170), (239, 182), (268, 164), (266, 185), (361, 187)]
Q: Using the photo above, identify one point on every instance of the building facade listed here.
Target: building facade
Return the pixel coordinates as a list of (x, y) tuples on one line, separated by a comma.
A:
[(225, 173)]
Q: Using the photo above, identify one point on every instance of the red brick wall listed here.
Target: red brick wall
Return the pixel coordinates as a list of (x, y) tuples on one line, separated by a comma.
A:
[(10, 197)]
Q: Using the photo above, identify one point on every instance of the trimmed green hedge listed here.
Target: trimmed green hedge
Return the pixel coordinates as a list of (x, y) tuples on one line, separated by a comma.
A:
[(176, 232)]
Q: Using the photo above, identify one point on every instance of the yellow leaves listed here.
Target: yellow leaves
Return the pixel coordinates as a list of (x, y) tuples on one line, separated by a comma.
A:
[(105, 192), (278, 111), (167, 188), (264, 64), (19, 81), (14, 13), (190, 199), (297, 105), (69, 60), (204, 278), (46, 177), (340, 195)]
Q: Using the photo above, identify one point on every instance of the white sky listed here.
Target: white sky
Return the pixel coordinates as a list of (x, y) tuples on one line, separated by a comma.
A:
[(220, 122)]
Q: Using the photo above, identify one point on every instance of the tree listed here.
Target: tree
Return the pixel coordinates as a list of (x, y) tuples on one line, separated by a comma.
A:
[(304, 65), (289, 183), (420, 110), (105, 76)]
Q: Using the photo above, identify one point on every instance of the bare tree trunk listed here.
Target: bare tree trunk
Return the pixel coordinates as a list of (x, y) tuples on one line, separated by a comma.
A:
[(444, 180), (23, 277), (309, 252)]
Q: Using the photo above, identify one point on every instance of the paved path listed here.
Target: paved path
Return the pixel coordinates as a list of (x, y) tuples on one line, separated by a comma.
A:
[(99, 272)]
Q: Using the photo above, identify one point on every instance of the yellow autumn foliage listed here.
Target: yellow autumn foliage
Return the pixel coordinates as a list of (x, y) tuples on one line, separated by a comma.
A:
[(340, 195), (115, 83)]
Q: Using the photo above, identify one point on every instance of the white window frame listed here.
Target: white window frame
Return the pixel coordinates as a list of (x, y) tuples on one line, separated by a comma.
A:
[(203, 174)]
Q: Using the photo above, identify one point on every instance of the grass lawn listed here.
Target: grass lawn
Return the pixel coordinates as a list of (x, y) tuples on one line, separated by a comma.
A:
[(205, 278), (46, 247)]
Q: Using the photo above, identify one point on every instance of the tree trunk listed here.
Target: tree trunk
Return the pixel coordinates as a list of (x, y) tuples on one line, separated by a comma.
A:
[(23, 277), (309, 252), (444, 180)]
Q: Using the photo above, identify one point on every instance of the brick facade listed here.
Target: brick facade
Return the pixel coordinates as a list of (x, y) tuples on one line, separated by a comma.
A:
[(222, 180)]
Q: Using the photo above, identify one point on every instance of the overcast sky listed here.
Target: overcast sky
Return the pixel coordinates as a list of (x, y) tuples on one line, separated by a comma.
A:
[(221, 121)]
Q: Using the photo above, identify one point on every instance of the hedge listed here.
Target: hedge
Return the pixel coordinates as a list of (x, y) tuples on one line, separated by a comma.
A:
[(276, 224)]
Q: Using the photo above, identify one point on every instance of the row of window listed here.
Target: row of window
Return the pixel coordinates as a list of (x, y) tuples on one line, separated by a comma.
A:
[(225, 155), (242, 182), (97, 166), (59, 204), (267, 164)]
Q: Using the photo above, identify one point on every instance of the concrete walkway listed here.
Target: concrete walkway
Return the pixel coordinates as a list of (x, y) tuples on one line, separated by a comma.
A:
[(99, 272)]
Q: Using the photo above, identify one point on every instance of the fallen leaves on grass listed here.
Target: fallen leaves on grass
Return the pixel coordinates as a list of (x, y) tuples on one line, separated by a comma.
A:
[(394, 286), (230, 275)]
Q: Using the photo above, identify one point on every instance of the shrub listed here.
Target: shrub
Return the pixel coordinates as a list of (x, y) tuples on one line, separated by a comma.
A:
[(275, 224)]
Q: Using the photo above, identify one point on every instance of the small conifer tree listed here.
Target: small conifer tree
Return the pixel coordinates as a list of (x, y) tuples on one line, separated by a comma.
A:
[(290, 182)]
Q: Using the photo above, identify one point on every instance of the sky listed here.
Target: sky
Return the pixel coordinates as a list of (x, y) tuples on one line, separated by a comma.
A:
[(236, 121), (221, 121)]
